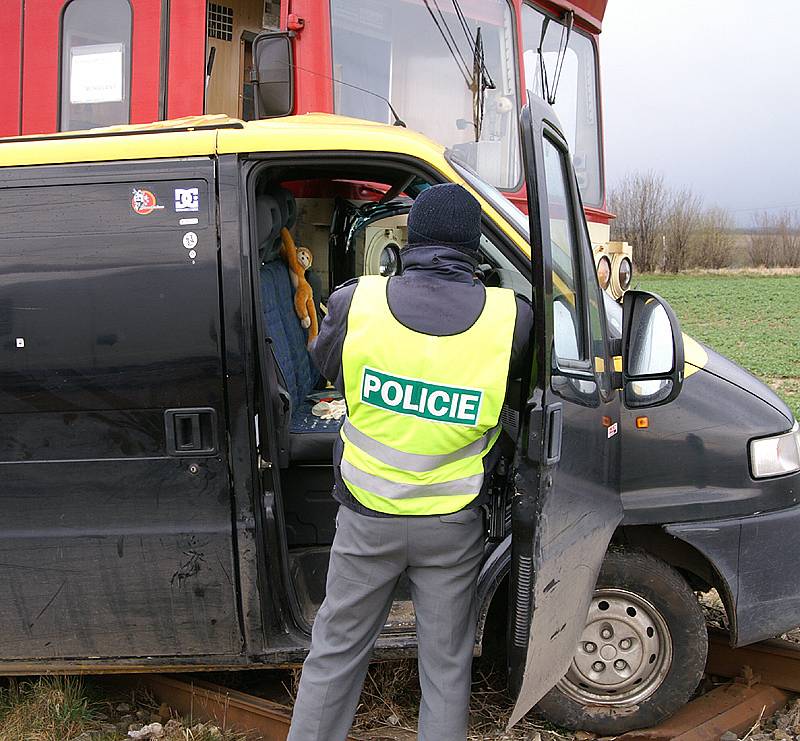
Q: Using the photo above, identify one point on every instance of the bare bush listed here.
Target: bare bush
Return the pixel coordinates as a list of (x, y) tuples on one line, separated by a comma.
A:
[(680, 225), (764, 245), (789, 235), (640, 203), (670, 230), (714, 241)]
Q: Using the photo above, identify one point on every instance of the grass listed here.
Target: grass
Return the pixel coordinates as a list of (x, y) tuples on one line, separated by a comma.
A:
[(753, 318), (45, 709), (390, 699), (66, 709)]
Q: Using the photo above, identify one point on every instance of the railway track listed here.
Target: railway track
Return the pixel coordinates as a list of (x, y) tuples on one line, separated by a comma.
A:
[(763, 678)]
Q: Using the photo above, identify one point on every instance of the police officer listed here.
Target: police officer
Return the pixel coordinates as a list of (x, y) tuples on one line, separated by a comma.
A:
[(423, 360)]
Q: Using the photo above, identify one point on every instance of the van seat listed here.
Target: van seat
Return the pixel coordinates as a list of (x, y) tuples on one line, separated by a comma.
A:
[(288, 336), (310, 438)]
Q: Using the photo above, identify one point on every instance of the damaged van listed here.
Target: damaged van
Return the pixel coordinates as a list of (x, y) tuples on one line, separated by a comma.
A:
[(166, 442)]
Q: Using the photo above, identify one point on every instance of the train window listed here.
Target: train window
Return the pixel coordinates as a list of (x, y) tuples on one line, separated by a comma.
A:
[(576, 100), (95, 64), (420, 57)]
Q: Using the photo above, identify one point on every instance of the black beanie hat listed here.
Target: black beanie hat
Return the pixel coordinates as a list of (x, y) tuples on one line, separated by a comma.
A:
[(445, 215)]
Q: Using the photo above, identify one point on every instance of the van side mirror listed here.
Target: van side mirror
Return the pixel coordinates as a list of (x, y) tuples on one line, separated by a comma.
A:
[(273, 61), (652, 351)]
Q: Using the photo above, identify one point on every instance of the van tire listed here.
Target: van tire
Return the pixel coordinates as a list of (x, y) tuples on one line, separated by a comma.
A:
[(635, 578)]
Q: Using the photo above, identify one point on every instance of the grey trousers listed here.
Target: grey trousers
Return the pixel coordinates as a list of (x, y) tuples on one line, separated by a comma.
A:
[(442, 557)]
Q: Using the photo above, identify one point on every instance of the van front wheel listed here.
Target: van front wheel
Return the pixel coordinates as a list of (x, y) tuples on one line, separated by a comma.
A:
[(641, 655)]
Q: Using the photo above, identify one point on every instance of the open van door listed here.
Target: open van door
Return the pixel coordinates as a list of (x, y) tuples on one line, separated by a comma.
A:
[(567, 498), (567, 503)]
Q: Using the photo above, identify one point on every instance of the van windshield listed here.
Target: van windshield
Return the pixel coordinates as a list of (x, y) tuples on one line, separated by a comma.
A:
[(419, 55), (495, 198)]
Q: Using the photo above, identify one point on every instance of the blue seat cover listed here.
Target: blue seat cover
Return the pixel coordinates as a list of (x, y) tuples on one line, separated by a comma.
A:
[(288, 336), (289, 346)]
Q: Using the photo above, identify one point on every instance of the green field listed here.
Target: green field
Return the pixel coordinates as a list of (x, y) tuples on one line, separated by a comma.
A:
[(754, 319)]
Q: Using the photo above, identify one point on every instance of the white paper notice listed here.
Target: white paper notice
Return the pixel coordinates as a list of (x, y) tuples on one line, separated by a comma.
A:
[(96, 74)]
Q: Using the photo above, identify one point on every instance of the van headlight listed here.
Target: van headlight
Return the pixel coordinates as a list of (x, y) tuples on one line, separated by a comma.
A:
[(777, 455)]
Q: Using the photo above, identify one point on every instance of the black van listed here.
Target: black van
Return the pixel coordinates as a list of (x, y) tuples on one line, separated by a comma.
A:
[(165, 490)]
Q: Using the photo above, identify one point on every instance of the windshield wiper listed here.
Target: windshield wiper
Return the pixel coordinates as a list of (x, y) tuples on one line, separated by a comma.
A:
[(566, 29), (481, 82)]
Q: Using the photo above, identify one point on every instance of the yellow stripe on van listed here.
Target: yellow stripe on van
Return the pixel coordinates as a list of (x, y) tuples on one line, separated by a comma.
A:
[(309, 132), (694, 357)]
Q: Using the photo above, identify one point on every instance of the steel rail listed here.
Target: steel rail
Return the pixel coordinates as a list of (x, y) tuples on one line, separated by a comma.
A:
[(230, 709), (775, 662), (764, 675)]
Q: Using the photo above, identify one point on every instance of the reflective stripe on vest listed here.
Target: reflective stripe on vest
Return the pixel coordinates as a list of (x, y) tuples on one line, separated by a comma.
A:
[(423, 410)]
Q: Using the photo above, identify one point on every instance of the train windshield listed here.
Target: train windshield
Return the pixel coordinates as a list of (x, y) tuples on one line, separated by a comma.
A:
[(421, 55), (576, 101)]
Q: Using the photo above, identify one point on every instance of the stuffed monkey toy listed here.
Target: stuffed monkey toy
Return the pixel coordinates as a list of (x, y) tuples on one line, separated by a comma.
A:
[(298, 260)]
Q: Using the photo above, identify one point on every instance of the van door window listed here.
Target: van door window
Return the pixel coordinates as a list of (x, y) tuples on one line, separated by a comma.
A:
[(95, 64), (569, 329), (598, 328)]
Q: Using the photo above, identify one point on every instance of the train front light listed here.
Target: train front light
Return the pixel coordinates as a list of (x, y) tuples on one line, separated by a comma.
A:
[(625, 273), (621, 275), (604, 271)]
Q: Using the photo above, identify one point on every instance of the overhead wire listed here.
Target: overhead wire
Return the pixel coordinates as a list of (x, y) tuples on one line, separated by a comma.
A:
[(450, 34), (479, 79), (455, 53), (472, 42)]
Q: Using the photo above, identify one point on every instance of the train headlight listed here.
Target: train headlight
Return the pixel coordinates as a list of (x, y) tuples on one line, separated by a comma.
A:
[(777, 455), (621, 275), (625, 273), (604, 272), (389, 260)]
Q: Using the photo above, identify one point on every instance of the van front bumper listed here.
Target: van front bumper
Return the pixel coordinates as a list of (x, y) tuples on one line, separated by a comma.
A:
[(758, 559)]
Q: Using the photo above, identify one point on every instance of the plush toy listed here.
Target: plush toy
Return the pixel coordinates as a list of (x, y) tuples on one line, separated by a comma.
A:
[(298, 260)]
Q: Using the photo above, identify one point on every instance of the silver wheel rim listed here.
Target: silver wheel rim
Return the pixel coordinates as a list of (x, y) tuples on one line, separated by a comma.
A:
[(624, 653)]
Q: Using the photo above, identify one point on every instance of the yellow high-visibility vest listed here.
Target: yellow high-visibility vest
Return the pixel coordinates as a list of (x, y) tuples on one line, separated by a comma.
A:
[(423, 410)]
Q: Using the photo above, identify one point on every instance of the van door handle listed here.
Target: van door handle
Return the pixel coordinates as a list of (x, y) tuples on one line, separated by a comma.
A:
[(553, 430), (191, 432), (553, 426)]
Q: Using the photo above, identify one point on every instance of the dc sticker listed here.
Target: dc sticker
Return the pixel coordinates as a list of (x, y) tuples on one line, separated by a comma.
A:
[(144, 202), (187, 199)]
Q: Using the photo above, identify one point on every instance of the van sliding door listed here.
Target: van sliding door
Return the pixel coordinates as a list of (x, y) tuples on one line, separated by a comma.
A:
[(115, 511)]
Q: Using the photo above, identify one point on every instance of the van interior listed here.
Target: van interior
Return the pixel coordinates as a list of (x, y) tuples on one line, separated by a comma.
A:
[(352, 219)]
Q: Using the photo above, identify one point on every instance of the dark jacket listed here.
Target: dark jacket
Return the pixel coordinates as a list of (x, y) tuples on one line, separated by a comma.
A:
[(436, 294)]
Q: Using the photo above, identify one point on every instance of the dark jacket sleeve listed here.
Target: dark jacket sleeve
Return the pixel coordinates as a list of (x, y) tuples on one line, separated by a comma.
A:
[(523, 328), (326, 350)]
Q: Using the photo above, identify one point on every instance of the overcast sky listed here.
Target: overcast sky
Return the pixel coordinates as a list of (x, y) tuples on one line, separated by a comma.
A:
[(708, 93)]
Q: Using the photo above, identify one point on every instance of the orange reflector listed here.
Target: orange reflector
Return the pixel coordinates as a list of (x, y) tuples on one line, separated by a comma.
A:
[(606, 421), (642, 423)]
